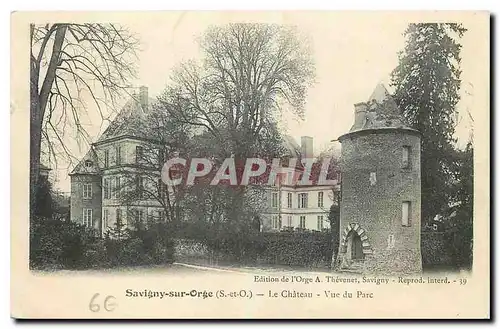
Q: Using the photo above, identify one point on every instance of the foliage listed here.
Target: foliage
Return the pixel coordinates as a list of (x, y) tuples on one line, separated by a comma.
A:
[(231, 99), (334, 219), (461, 215), (69, 64), (66, 245), (44, 205), (427, 85), (58, 244), (312, 249), (298, 249)]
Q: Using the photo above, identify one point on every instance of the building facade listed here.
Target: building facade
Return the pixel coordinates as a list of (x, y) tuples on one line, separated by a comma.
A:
[(293, 206), (112, 181), (381, 198)]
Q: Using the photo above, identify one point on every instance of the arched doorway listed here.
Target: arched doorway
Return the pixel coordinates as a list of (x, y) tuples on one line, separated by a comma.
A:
[(355, 246)]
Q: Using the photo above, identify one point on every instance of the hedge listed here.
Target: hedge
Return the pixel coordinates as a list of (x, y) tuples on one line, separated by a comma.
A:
[(65, 245)]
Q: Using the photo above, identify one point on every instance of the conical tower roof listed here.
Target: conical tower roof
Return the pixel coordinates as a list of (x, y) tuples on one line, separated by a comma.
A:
[(380, 111)]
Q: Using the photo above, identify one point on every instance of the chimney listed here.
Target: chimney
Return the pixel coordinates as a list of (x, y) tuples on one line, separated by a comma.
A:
[(306, 147), (143, 97), (360, 110)]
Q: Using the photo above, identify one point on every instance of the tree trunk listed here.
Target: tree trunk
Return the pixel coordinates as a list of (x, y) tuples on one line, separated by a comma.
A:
[(35, 137), (38, 103)]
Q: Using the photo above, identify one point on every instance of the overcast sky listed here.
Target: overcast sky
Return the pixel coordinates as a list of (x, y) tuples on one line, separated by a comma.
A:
[(353, 52)]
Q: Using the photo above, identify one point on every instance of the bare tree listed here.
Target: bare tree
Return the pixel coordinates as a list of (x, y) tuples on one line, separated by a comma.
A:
[(70, 63), (249, 74)]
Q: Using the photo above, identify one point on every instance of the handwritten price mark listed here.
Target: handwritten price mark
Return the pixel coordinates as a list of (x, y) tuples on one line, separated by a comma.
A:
[(108, 304)]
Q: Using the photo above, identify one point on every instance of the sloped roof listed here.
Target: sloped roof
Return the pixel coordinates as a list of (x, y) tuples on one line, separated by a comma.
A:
[(82, 169), (379, 94), (130, 121)]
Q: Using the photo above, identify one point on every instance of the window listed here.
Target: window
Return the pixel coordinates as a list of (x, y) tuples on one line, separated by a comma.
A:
[(390, 241), (140, 187), (139, 215), (373, 178), (87, 217), (106, 188), (117, 187), (88, 163), (106, 158), (118, 155), (406, 157), (302, 200), (274, 200), (289, 221), (302, 222), (161, 215), (406, 213), (139, 151), (276, 222), (320, 199), (119, 215), (87, 191), (105, 219), (161, 189), (289, 200), (320, 223)]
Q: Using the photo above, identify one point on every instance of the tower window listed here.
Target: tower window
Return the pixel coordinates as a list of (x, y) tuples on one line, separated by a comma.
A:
[(390, 241), (406, 157), (406, 213)]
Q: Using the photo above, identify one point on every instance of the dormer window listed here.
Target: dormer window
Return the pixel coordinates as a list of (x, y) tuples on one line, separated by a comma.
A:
[(88, 164)]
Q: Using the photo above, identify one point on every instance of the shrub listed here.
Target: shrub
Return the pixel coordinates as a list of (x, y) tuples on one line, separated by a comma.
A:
[(56, 245)]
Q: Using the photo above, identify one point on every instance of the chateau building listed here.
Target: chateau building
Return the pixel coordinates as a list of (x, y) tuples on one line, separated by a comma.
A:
[(109, 183), (295, 206)]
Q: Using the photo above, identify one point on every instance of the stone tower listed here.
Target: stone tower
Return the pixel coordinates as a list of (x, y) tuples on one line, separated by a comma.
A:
[(380, 197)]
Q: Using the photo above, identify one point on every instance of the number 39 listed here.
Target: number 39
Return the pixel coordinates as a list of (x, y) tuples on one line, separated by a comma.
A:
[(109, 306)]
